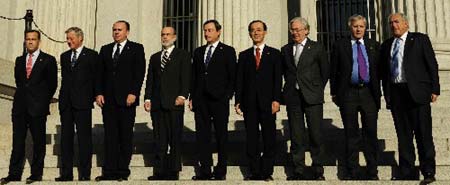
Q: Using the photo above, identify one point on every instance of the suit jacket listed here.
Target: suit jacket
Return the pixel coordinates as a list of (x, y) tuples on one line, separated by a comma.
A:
[(258, 87), (419, 64), (217, 81), (78, 83), (115, 83), (311, 73), (342, 66), (162, 88), (33, 95)]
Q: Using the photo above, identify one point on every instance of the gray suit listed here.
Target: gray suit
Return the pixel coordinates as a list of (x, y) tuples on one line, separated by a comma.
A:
[(311, 73)]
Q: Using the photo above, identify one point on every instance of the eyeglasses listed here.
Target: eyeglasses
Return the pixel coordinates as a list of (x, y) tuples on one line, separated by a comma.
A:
[(296, 30)]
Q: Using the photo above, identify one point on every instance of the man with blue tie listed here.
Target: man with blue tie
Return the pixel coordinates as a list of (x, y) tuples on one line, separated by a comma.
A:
[(410, 84), (213, 79), (355, 88)]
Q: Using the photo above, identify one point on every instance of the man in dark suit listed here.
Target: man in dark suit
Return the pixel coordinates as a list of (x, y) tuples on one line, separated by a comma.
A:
[(355, 87), (35, 74), (306, 72), (167, 86), (78, 70), (410, 83), (118, 90), (213, 75), (258, 91)]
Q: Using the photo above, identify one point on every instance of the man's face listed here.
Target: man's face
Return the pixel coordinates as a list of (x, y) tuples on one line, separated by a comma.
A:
[(298, 32), (398, 25), (358, 29), (210, 33), (73, 40), (168, 37), (32, 42), (257, 33), (120, 32)]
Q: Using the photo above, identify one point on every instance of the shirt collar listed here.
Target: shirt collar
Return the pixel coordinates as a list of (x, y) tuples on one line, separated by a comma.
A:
[(35, 53), (404, 36), (170, 49), (123, 43), (214, 44), (361, 40), (79, 49), (261, 47)]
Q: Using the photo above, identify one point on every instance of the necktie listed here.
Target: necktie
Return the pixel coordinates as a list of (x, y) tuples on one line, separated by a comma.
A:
[(298, 52), (74, 58), (164, 60), (257, 57), (116, 55), (29, 65), (394, 59), (362, 67), (208, 56)]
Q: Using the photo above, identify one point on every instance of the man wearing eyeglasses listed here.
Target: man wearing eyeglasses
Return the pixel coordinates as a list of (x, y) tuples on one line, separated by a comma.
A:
[(306, 71)]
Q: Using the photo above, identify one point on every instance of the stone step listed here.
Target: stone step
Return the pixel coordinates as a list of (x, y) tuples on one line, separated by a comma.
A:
[(144, 156), (235, 175)]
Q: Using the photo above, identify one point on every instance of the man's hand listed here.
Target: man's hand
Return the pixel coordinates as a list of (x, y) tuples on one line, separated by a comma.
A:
[(148, 106), (190, 105), (179, 101), (275, 107), (237, 108), (131, 98), (100, 100), (434, 98)]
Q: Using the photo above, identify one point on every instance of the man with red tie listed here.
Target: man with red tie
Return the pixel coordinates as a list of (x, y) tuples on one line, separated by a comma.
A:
[(258, 91), (35, 74)]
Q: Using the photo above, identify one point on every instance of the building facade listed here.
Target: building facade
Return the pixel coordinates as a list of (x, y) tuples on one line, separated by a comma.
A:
[(326, 17)]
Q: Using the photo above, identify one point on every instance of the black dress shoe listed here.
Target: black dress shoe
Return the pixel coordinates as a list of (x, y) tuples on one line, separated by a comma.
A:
[(252, 178), (105, 178), (9, 178), (428, 179), (296, 177), (156, 178), (63, 178), (319, 178), (220, 177), (202, 177), (120, 179), (173, 176), (33, 178), (84, 178), (267, 178)]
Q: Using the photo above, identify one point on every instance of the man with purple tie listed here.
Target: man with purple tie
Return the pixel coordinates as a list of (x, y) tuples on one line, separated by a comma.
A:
[(355, 88)]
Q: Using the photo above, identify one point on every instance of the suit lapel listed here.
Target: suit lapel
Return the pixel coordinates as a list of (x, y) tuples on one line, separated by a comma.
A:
[(264, 56), (80, 58), (217, 52), (37, 65), (290, 55), (304, 53), (408, 43), (348, 50)]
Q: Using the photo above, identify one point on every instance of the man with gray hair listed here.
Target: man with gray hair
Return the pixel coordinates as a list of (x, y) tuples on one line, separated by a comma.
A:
[(355, 88), (167, 87), (79, 67), (410, 85), (306, 72)]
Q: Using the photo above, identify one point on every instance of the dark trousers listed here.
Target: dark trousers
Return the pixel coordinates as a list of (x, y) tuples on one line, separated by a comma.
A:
[(81, 120), (167, 132), (253, 118), (299, 135), (118, 122), (360, 100), (37, 126), (413, 120), (209, 112)]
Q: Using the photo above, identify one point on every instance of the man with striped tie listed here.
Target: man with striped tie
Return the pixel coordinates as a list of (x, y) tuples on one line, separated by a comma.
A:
[(167, 87), (410, 84)]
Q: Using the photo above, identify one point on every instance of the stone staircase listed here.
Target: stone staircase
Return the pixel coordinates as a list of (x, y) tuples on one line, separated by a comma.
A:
[(141, 164)]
